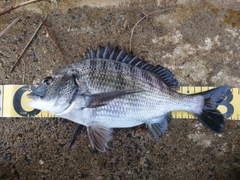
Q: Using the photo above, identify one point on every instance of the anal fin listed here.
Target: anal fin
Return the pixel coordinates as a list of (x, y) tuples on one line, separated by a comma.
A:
[(99, 136), (160, 126)]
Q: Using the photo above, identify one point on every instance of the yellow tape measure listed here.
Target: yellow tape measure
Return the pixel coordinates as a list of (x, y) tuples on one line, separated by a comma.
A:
[(13, 102)]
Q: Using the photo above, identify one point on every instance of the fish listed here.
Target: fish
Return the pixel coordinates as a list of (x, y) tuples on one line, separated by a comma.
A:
[(112, 88)]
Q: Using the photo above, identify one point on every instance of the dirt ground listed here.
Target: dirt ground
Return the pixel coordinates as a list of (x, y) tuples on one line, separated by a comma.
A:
[(198, 41)]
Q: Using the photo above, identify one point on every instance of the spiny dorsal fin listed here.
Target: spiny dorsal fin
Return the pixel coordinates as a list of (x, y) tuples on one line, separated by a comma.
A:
[(122, 56)]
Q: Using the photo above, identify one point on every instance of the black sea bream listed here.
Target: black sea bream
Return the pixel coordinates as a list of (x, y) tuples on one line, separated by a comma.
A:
[(113, 89)]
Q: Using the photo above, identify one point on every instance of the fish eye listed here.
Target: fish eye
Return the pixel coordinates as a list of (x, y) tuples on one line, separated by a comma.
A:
[(48, 80)]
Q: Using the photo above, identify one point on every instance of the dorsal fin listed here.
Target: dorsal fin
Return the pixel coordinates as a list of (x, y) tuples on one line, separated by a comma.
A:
[(122, 56)]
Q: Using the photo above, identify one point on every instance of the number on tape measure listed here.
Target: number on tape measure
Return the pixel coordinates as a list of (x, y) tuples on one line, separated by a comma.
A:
[(228, 105), (17, 102)]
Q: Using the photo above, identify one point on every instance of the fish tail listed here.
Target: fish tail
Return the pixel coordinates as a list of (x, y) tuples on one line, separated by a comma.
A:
[(209, 115)]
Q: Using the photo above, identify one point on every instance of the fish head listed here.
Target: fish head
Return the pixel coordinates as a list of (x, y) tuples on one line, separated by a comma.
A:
[(55, 93)]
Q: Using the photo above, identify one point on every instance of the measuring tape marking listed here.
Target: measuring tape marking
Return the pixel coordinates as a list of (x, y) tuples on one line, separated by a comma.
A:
[(1, 99), (13, 102)]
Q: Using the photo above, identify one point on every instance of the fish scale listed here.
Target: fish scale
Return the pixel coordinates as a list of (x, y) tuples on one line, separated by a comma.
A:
[(151, 96), (113, 89)]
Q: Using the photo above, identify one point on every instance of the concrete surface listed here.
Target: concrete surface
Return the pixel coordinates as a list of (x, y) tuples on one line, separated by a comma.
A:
[(198, 41)]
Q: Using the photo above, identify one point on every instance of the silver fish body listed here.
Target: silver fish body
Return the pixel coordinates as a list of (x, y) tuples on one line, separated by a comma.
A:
[(113, 89)]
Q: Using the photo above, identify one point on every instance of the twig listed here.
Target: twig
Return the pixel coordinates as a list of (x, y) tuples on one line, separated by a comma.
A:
[(24, 71), (41, 23), (17, 6), (162, 10), (54, 41), (8, 27)]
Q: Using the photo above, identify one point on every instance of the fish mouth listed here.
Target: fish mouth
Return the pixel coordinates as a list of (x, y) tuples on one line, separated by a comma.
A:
[(33, 96), (37, 93)]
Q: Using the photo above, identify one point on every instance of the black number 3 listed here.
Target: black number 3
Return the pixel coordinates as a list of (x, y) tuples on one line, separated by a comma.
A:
[(226, 103)]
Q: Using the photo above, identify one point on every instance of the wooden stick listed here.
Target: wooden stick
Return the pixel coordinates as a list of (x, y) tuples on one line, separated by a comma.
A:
[(54, 41), (41, 23), (24, 71), (17, 6), (162, 10), (8, 27)]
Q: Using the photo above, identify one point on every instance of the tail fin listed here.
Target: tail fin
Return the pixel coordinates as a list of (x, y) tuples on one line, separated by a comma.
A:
[(210, 116)]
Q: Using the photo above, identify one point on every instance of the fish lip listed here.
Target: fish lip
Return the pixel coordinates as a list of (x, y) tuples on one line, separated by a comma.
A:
[(33, 96), (38, 92)]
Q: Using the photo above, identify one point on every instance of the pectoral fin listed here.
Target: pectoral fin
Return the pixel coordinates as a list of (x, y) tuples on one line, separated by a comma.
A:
[(101, 99), (99, 136)]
